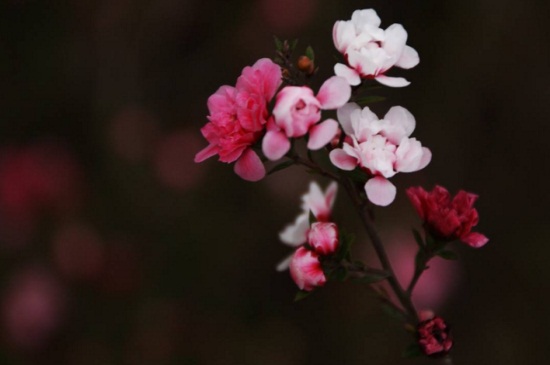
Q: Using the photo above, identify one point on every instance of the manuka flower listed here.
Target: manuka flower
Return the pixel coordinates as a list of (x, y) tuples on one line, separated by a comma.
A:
[(434, 337), (448, 218), (371, 51)]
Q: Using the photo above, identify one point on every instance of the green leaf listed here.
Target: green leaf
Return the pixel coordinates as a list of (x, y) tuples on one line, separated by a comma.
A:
[(393, 312), (293, 44), (309, 53), (370, 100), (413, 350), (302, 294), (346, 240), (418, 238), (357, 175), (278, 43), (312, 218), (420, 260), (447, 255), (339, 274), (281, 166)]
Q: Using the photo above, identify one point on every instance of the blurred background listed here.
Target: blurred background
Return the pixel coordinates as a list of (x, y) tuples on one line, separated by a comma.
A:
[(115, 248)]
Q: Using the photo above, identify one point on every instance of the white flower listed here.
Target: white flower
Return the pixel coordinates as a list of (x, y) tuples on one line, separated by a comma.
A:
[(380, 147), (371, 51)]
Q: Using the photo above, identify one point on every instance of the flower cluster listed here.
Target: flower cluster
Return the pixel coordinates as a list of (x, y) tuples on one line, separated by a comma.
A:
[(362, 153), (312, 240)]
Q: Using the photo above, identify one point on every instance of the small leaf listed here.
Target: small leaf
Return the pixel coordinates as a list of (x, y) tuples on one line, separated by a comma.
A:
[(357, 175), (278, 43), (281, 166), (339, 274), (447, 255), (312, 218), (302, 294), (413, 350), (310, 54), (346, 240), (293, 44), (420, 260), (370, 100), (393, 312), (418, 238)]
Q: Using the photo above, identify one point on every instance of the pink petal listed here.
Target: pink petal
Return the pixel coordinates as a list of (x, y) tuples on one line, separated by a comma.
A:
[(249, 166), (205, 153), (380, 191), (475, 240), (342, 160), (392, 81), (275, 145), (334, 93), (426, 158), (352, 77), (409, 58), (401, 117), (322, 133)]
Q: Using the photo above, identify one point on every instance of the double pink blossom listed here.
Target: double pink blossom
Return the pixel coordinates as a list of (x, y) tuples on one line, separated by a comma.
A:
[(323, 237), (238, 116), (297, 112), (371, 51), (380, 147), (306, 270), (448, 218)]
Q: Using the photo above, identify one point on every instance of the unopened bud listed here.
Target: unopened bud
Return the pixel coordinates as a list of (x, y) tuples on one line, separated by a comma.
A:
[(286, 73), (306, 65)]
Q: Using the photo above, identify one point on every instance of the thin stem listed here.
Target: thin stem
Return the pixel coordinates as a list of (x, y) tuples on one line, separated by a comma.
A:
[(312, 165), (414, 280), (363, 211)]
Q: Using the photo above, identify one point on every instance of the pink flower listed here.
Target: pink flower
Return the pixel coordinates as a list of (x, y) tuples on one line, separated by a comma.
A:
[(380, 147), (434, 337), (237, 119), (306, 270), (371, 51), (323, 237), (445, 218), (297, 112)]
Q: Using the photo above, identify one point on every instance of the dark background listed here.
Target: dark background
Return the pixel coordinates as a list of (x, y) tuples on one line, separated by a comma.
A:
[(117, 249)]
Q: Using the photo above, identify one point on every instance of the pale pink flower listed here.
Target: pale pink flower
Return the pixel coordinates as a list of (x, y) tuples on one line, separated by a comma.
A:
[(297, 112), (306, 270), (380, 147), (238, 116), (317, 202), (371, 51), (323, 237), (448, 218)]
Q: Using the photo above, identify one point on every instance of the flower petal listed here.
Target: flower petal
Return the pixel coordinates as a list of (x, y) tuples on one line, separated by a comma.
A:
[(475, 240), (401, 117), (342, 160), (334, 93), (295, 234), (426, 158), (321, 134), (206, 153), (352, 77), (275, 145), (409, 58), (380, 191), (249, 166), (392, 81), (283, 265), (344, 117)]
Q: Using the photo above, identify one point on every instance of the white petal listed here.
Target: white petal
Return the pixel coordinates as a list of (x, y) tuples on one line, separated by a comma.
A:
[(396, 37), (295, 234), (342, 160), (321, 134), (344, 117), (392, 81), (426, 158), (409, 58), (334, 93), (380, 191), (283, 265), (352, 77), (400, 117)]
